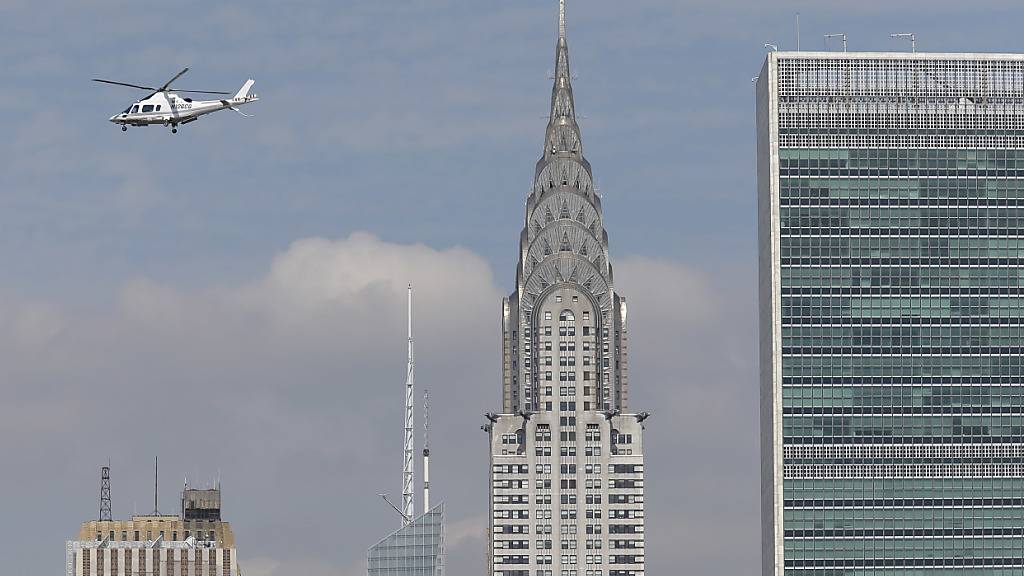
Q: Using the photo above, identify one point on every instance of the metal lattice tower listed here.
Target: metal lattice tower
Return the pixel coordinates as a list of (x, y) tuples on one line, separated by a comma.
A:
[(105, 515), (408, 466)]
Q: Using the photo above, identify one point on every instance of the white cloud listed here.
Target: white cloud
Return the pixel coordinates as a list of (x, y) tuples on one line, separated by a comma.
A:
[(292, 382), (692, 346), (297, 376)]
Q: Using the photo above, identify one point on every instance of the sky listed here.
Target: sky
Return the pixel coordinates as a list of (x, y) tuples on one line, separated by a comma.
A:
[(231, 297)]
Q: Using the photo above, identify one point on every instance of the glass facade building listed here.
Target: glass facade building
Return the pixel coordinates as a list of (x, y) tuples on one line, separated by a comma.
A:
[(416, 549), (890, 223)]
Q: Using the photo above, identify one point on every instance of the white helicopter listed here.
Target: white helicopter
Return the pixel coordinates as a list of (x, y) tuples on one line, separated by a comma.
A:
[(164, 106)]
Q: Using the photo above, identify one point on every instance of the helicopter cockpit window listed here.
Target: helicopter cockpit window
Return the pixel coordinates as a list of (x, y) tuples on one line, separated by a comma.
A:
[(135, 109), (157, 107), (147, 108)]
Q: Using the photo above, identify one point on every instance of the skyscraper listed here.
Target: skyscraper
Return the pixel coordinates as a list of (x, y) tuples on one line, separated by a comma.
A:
[(566, 458), (890, 195)]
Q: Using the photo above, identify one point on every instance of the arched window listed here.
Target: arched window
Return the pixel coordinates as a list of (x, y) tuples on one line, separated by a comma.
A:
[(566, 316)]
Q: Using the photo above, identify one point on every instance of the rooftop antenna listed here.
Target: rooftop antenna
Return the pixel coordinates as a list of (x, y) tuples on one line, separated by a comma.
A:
[(905, 36), (156, 485), (105, 515), (837, 35), (797, 31), (426, 450), (408, 465)]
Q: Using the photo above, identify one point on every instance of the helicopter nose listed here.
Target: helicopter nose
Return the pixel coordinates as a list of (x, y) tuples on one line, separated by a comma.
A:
[(114, 118)]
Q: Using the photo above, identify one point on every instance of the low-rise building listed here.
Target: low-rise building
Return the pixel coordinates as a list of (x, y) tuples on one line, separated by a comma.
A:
[(195, 543)]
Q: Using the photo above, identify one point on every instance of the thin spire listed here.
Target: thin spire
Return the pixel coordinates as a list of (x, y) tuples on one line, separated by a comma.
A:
[(561, 19), (563, 132), (156, 486)]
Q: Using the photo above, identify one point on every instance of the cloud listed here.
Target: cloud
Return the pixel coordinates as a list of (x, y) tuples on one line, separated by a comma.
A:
[(289, 385), (264, 566), (692, 350)]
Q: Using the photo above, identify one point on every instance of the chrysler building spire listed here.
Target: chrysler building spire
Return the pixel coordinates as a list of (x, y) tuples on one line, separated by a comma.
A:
[(563, 134), (564, 447), (561, 20), (563, 249)]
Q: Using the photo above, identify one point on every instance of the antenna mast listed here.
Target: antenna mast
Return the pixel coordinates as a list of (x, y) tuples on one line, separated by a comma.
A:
[(105, 515), (408, 464), (797, 31), (426, 451), (156, 486)]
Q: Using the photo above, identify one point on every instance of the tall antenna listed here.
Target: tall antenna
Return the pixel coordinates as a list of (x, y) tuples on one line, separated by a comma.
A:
[(105, 515), (408, 464), (797, 31), (426, 451), (156, 485)]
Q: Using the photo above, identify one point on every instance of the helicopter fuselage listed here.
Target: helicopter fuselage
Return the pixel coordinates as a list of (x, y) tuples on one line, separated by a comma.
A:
[(165, 106), (170, 109)]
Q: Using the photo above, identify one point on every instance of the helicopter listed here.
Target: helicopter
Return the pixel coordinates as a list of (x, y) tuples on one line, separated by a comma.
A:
[(164, 105)]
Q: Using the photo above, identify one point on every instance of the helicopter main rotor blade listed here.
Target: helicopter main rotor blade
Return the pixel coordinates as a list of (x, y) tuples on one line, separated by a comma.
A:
[(165, 88), (178, 75), (197, 91), (123, 84)]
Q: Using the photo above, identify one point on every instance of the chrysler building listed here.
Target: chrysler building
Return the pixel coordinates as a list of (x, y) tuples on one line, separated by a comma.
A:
[(567, 466)]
